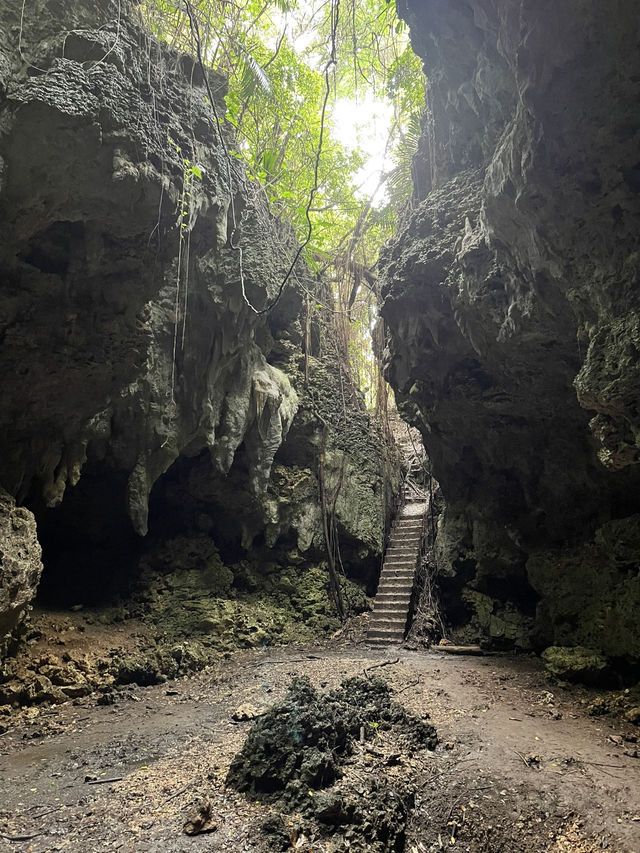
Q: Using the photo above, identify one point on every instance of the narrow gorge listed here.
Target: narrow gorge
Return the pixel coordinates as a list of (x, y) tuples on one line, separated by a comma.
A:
[(205, 448)]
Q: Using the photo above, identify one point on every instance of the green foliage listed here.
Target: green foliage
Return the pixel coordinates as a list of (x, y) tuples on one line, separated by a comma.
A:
[(275, 54)]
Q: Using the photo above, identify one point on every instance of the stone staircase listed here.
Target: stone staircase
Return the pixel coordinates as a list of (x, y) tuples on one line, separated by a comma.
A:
[(391, 606)]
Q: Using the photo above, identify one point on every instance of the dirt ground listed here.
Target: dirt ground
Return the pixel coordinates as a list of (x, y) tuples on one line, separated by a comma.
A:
[(521, 766)]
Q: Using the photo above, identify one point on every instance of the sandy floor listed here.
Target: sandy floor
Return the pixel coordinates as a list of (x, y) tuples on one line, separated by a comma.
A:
[(520, 766)]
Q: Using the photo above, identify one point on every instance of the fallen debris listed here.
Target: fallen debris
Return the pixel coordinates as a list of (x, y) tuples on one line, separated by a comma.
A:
[(246, 712), (451, 649), (200, 819), (294, 756)]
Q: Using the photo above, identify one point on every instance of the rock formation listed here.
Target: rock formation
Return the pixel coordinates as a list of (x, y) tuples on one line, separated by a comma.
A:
[(512, 298), (20, 566), (144, 321)]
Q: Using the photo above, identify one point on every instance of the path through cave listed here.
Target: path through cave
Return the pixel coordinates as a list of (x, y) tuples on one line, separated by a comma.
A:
[(521, 765)]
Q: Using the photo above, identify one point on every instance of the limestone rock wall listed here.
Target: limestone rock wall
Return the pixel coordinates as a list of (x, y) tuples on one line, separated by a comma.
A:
[(125, 325), (135, 260), (511, 295)]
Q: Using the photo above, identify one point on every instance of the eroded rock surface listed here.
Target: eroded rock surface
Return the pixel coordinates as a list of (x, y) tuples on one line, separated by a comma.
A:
[(20, 566), (512, 298), (127, 335), (295, 753), (136, 261)]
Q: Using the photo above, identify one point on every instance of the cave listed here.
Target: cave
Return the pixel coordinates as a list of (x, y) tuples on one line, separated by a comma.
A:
[(320, 327), (216, 508), (51, 250), (89, 548)]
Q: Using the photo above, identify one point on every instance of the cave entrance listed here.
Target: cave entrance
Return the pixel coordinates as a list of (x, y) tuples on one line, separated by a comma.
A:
[(191, 498), (90, 551)]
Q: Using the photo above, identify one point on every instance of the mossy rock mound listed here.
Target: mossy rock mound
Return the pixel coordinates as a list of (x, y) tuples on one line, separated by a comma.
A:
[(374, 821), (301, 742), (371, 820), (576, 663)]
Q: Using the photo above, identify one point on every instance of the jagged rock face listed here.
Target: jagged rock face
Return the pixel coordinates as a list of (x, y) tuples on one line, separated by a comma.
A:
[(20, 566), (511, 293), (284, 524), (136, 261), (127, 333)]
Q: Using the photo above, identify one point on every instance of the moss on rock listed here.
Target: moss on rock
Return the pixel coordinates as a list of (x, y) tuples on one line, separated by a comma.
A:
[(591, 593), (575, 664)]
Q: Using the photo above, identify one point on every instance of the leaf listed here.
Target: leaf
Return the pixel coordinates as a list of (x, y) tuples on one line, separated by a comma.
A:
[(253, 77)]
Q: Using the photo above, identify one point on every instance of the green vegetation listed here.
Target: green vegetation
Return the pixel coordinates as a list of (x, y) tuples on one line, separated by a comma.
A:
[(298, 73)]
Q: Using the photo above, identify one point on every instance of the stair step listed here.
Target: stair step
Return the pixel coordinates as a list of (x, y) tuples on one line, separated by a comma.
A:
[(402, 575), (390, 606), (398, 590), (398, 551), (408, 567), (401, 558), (385, 621), (404, 593), (388, 636), (396, 633), (395, 558), (401, 600), (392, 631), (389, 618), (406, 560), (392, 571)]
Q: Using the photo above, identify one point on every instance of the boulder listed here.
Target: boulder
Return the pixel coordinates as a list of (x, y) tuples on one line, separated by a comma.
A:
[(20, 566), (575, 664)]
